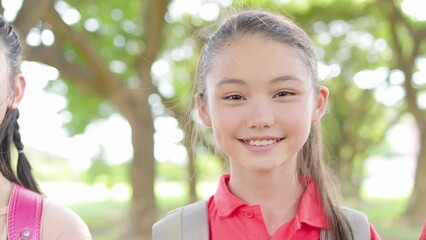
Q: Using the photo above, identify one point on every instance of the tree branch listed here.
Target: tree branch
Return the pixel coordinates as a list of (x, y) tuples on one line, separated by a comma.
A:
[(422, 33), (393, 20), (406, 64), (418, 113), (105, 82), (83, 76), (30, 13), (153, 21), (417, 35), (401, 18)]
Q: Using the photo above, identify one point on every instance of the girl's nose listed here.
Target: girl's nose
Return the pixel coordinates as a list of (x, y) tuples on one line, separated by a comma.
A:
[(260, 116)]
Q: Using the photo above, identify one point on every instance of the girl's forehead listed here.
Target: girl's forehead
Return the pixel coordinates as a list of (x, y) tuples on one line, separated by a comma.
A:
[(4, 69), (3, 65), (256, 57)]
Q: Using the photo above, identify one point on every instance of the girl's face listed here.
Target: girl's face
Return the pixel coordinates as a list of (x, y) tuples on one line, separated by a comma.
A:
[(260, 103), (10, 94)]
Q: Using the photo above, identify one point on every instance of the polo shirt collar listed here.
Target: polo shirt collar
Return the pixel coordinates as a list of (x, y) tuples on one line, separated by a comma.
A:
[(226, 202), (310, 211)]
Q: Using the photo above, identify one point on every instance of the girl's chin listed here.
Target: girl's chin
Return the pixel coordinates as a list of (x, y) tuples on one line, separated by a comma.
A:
[(264, 168)]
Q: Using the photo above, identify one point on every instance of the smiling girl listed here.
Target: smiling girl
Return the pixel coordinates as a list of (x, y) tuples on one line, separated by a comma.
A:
[(24, 213), (259, 93)]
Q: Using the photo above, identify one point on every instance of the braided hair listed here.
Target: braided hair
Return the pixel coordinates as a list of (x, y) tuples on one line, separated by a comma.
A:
[(10, 46)]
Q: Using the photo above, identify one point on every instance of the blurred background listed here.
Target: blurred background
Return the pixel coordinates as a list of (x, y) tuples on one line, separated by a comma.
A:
[(105, 117)]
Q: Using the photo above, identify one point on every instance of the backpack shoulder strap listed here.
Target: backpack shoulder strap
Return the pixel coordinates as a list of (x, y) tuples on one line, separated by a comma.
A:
[(358, 222), (24, 215), (185, 223)]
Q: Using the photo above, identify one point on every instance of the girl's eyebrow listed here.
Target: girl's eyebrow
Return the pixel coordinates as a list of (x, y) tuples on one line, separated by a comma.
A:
[(285, 78), (230, 81)]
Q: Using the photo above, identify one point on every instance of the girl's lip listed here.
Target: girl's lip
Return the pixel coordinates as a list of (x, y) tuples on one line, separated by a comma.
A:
[(260, 144), (248, 140)]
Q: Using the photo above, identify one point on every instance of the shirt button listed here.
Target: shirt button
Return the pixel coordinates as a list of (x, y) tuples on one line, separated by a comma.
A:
[(249, 214)]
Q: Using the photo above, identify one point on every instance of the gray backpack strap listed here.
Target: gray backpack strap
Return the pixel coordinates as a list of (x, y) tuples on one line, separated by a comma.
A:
[(186, 223), (170, 227), (358, 222)]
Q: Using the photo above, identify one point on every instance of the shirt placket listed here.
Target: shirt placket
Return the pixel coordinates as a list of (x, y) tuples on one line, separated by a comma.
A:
[(253, 221)]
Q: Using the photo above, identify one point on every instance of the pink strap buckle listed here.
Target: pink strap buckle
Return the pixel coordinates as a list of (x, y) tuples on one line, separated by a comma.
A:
[(25, 211)]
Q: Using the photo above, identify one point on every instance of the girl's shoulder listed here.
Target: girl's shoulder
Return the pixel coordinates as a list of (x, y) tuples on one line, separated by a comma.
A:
[(60, 222)]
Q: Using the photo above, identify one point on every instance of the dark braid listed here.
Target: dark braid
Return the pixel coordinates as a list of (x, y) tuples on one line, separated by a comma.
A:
[(9, 128), (23, 169), (6, 128)]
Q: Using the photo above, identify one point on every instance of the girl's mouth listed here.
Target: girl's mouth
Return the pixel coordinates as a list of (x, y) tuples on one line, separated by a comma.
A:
[(263, 142)]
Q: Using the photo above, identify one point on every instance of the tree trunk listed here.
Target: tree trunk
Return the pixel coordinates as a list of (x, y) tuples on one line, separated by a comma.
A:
[(405, 58), (417, 205), (143, 207)]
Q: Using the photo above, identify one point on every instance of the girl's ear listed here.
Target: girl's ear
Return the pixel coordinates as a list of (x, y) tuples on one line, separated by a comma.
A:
[(18, 91), (320, 104), (202, 110)]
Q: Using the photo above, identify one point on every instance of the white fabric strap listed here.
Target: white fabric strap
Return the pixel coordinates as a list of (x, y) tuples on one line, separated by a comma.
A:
[(359, 224), (195, 221), (169, 227), (186, 223), (191, 223)]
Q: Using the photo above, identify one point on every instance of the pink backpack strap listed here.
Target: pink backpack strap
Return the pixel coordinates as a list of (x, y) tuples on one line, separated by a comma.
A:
[(24, 216)]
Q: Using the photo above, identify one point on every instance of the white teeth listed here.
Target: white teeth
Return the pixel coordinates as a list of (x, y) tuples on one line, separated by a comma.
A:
[(262, 142)]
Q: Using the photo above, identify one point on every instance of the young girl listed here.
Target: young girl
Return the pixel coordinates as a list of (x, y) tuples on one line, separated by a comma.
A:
[(56, 222), (258, 90)]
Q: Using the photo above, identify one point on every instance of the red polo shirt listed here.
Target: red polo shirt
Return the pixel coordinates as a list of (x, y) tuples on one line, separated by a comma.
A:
[(231, 218)]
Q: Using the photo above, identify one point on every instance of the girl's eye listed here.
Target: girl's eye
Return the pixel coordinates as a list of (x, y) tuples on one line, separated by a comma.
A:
[(234, 97), (284, 94)]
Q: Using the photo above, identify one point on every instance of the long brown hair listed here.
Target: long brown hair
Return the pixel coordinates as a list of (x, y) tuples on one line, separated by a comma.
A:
[(10, 46), (310, 158)]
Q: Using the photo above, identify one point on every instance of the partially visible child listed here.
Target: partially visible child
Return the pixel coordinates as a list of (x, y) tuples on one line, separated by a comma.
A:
[(423, 234), (58, 222), (258, 90)]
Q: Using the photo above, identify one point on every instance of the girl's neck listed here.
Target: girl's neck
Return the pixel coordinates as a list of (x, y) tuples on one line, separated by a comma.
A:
[(265, 188)]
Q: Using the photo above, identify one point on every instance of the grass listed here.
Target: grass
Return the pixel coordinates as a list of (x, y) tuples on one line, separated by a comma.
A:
[(107, 220)]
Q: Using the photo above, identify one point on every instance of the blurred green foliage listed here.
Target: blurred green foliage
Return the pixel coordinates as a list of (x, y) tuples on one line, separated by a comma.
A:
[(48, 167), (102, 172)]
